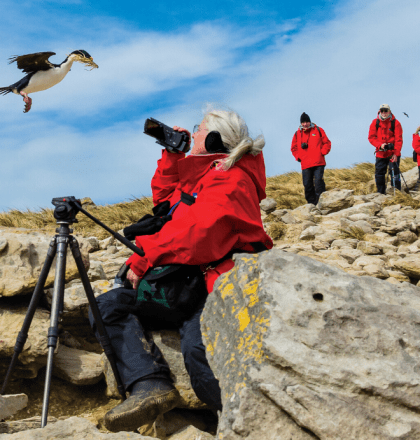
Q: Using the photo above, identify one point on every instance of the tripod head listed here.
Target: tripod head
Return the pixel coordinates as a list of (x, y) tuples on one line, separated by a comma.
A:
[(66, 209)]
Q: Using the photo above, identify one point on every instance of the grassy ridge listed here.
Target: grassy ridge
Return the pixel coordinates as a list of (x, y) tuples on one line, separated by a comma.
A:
[(286, 189)]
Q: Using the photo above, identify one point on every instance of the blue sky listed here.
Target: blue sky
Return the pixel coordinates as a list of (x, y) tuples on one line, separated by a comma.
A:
[(268, 60)]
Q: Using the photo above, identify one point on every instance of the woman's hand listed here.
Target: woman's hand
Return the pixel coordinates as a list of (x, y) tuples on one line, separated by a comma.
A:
[(183, 130), (394, 158), (133, 278)]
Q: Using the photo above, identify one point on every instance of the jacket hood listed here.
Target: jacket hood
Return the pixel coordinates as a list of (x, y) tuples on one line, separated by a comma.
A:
[(193, 168)]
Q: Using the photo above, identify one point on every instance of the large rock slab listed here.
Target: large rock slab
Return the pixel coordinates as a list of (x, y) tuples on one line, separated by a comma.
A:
[(22, 256), (303, 350), (74, 428)]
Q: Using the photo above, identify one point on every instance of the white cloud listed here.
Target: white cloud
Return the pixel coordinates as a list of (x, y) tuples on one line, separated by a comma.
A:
[(339, 72)]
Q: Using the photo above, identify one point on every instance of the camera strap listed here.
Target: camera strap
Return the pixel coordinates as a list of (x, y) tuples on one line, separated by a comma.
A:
[(186, 198), (392, 124)]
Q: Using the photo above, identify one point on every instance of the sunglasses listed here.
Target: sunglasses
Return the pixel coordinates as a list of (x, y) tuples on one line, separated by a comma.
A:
[(384, 110), (196, 127)]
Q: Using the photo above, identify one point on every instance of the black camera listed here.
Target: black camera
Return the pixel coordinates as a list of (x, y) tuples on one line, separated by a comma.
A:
[(65, 208), (166, 136), (304, 145), (388, 147)]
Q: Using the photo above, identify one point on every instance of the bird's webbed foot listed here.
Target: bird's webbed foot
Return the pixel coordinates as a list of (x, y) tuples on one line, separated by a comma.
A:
[(28, 102)]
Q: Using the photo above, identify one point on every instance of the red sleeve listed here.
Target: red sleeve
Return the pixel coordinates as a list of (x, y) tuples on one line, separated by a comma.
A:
[(416, 143), (166, 177), (398, 139), (224, 217), (294, 148), (326, 143), (373, 137)]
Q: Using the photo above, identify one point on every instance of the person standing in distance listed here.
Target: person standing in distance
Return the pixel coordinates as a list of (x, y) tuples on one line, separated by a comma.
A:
[(385, 134), (416, 155), (310, 145)]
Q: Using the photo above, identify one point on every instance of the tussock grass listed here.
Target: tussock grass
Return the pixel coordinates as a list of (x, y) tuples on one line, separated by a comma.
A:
[(353, 232), (286, 189), (403, 199)]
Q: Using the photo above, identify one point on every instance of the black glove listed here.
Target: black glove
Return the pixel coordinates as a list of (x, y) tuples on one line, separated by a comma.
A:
[(161, 209), (147, 225)]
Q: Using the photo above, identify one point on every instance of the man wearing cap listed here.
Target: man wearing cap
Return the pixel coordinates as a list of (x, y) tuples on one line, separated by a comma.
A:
[(310, 145), (385, 134)]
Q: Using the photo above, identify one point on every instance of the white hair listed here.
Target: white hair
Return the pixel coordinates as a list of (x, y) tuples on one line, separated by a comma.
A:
[(235, 135)]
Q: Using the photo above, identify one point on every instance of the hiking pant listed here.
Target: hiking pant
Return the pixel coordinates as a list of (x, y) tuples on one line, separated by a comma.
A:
[(138, 357), (313, 181), (381, 165)]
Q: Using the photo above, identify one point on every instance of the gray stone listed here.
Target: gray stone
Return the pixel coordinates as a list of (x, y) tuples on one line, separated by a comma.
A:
[(369, 248), (368, 208), (303, 350), (407, 237), (344, 243), (77, 366), (335, 200), (364, 226), (311, 232), (409, 265), (350, 254), (23, 425), (290, 219), (96, 271), (268, 205), (10, 404)]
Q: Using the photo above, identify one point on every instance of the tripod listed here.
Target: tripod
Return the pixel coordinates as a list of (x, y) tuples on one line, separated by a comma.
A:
[(65, 213)]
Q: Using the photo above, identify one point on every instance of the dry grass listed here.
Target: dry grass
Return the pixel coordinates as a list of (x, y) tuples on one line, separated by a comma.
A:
[(115, 216), (286, 189), (402, 199)]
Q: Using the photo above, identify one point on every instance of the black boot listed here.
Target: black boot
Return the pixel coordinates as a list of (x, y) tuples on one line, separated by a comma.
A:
[(417, 187), (148, 399)]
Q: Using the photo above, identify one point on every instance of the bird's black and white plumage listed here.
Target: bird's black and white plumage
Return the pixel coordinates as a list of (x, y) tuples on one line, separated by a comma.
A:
[(406, 114), (41, 73)]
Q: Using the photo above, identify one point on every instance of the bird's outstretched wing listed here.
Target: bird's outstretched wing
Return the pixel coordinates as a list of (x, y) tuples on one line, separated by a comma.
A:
[(406, 114), (33, 61)]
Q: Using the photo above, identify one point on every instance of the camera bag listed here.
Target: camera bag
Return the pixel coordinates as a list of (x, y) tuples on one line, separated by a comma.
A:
[(170, 293)]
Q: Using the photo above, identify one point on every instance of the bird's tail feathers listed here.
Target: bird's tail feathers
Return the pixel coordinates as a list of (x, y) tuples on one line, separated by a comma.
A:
[(5, 90)]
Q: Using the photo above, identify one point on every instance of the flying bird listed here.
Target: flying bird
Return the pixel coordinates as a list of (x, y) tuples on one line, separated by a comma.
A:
[(41, 73), (406, 114)]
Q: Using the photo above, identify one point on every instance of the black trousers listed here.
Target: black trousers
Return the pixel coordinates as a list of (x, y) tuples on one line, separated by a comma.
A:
[(381, 166), (138, 357), (313, 181)]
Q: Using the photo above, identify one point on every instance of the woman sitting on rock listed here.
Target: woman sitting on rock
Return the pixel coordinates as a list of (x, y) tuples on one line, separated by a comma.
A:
[(225, 175)]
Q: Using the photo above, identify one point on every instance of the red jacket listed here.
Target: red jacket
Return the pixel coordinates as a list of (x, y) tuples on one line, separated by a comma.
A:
[(416, 146), (225, 216), (318, 146), (384, 135)]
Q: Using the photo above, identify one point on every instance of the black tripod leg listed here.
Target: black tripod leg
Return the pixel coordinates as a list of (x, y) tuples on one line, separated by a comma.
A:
[(36, 296), (57, 301), (104, 339)]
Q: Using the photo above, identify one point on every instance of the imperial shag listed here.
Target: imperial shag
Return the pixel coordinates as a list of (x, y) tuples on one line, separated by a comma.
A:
[(41, 73)]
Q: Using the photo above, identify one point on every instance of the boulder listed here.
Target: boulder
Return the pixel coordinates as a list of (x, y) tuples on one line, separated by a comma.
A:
[(410, 177), (22, 257), (303, 350), (311, 232), (407, 237), (369, 208), (335, 200), (369, 248), (23, 425)]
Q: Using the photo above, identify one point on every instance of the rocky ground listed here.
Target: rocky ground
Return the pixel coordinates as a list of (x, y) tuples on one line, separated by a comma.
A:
[(324, 324)]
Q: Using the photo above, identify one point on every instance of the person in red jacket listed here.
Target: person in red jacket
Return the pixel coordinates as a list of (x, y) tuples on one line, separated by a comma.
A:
[(228, 187), (310, 145), (416, 147), (385, 134)]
